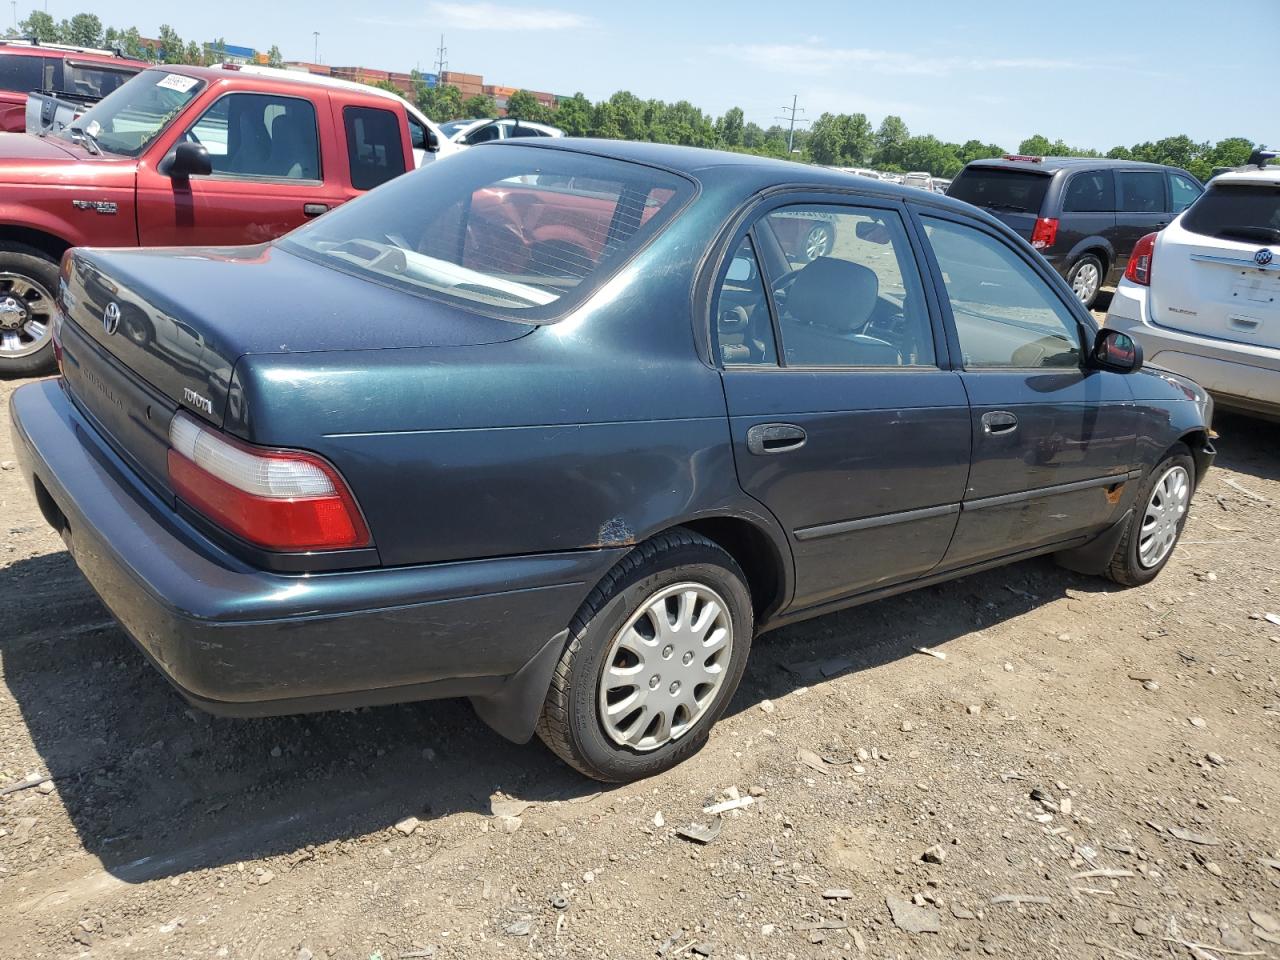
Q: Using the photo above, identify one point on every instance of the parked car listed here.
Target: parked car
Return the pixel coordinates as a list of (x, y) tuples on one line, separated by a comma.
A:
[(918, 179), (389, 457), (468, 133), (190, 155), (1084, 215), (1202, 296), (79, 75)]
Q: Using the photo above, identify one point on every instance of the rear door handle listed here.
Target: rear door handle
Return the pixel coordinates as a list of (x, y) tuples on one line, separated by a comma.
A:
[(999, 421), (768, 438), (314, 209)]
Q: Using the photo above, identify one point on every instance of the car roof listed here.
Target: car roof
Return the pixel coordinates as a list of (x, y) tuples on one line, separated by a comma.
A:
[(1051, 165), (752, 172), (1269, 174), (88, 54)]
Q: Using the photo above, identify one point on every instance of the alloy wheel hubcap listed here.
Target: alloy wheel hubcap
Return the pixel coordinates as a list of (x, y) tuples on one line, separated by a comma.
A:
[(1163, 516), (26, 316), (1086, 282), (665, 666), (818, 243)]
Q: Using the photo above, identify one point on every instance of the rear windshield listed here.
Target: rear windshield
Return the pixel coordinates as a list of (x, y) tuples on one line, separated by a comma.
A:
[(513, 229), (1237, 211), (999, 189), (82, 81)]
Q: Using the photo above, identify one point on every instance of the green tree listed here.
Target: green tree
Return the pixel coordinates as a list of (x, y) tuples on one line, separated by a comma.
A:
[(1231, 152), (888, 142), (274, 57), (1036, 145), (525, 105), (729, 128), (195, 55), (573, 115), (481, 105), (131, 44), (41, 26), (972, 150), (753, 136), (83, 30), (171, 44)]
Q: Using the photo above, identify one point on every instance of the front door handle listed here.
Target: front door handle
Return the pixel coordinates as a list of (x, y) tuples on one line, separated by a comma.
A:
[(999, 421), (768, 438), (314, 209)]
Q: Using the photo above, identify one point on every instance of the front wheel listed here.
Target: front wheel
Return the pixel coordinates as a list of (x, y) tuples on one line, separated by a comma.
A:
[(654, 656), (1085, 278), (28, 280), (1160, 514)]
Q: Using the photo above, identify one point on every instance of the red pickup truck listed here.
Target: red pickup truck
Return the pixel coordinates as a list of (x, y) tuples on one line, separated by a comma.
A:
[(188, 156), (76, 74)]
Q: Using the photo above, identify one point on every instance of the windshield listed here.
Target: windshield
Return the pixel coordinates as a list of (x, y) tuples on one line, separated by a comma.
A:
[(516, 229), (454, 126), (1237, 211), (999, 189), (126, 121)]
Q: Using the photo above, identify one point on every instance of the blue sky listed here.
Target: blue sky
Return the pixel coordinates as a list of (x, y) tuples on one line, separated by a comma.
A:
[(1094, 72)]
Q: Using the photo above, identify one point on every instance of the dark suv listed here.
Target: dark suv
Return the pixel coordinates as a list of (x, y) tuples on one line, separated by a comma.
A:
[(1084, 215)]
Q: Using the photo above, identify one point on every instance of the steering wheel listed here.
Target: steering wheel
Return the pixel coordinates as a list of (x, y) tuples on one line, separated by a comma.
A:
[(783, 287)]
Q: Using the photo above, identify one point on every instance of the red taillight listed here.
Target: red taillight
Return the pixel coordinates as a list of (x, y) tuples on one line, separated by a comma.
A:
[(1140, 261), (281, 500), (1044, 233)]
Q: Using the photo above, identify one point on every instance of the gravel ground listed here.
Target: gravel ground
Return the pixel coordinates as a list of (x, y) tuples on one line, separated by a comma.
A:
[(1090, 772)]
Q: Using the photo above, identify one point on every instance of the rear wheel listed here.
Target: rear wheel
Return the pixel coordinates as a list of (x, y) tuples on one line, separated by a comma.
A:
[(654, 656), (818, 241), (28, 281), (1085, 278), (1158, 518)]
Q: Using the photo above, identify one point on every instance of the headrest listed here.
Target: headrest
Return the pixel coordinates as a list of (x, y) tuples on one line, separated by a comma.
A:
[(833, 293)]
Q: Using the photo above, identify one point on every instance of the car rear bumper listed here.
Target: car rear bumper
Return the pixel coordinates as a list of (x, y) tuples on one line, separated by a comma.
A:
[(241, 641), (1240, 376)]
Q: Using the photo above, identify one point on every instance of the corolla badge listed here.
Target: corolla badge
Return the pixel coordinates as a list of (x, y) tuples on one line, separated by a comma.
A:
[(111, 318), (1262, 257)]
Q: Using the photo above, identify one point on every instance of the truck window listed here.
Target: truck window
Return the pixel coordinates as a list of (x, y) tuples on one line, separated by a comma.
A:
[(25, 74), (373, 146), (82, 81), (260, 135)]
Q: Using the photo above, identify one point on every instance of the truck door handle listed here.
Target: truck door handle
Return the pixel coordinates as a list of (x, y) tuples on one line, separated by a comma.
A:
[(314, 209), (999, 421), (769, 438)]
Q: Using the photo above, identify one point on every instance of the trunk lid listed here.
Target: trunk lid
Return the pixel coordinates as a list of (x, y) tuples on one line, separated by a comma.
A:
[(179, 319), (1216, 271)]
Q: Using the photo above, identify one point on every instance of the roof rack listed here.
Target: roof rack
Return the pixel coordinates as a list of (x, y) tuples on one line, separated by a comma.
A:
[(65, 47), (1261, 157)]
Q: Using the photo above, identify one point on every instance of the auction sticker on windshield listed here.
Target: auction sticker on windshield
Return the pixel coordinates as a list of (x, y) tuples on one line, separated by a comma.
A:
[(176, 81)]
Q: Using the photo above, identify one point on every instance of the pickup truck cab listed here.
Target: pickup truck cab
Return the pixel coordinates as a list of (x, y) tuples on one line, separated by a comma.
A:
[(80, 75), (183, 156)]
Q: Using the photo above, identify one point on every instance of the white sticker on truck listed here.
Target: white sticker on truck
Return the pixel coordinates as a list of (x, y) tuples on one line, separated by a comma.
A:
[(176, 81)]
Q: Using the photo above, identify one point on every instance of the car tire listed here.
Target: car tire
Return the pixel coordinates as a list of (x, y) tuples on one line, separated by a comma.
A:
[(818, 242), (28, 277), (1085, 279), (1159, 514), (593, 674)]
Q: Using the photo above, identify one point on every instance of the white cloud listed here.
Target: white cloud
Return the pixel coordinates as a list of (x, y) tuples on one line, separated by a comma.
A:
[(492, 16), (817, 59)]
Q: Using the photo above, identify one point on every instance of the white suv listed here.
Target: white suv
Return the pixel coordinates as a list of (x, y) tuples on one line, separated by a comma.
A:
[(1202, 296)]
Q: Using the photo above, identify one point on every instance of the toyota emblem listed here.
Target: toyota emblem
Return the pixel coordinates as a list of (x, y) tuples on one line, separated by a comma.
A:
[(111, 318), (1262, 257)]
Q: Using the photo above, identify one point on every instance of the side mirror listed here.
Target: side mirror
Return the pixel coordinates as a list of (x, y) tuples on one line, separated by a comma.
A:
[(186, 160), (1115, 351)]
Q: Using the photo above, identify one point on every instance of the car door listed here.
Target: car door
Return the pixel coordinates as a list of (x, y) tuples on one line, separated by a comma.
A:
[(1053, 440), (846, 421), (268, 175), (1088, 212), (1142, 207)]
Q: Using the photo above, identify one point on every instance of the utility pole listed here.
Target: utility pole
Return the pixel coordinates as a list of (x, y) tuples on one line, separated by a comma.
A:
[(315, 52), (441, 63), (791, 112)]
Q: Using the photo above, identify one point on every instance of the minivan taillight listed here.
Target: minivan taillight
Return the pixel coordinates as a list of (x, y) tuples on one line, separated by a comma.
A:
[(1045, 233), (1140, 261), (286, 501)]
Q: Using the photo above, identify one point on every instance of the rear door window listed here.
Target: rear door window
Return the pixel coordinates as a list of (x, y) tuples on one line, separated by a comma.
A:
[(25, 74), (1249, 212), (998, 188), (374, 146), (1183, 191), (1090, 192), (1141, 191)]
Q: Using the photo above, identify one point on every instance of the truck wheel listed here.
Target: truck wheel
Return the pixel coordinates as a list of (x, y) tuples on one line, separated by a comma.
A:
[(1085, 279), (28, 281), (1161, 513), (653, 658)]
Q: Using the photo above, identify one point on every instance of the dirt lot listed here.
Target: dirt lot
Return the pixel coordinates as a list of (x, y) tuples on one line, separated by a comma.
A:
[(1149, 718)]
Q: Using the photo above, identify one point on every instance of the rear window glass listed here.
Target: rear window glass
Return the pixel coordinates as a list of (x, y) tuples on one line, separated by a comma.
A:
[(1091, 192), (517, 230), (999, 189), (24, 74), (1248, 212)]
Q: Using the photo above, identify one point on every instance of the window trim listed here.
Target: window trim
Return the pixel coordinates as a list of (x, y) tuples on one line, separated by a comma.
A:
[(348, 142), (744, 221), (226, 176), (1087, 327)]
